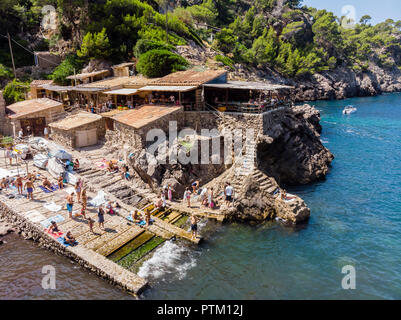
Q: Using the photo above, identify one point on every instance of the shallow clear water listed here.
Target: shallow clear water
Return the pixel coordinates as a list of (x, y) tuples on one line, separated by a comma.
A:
[(355, 220)]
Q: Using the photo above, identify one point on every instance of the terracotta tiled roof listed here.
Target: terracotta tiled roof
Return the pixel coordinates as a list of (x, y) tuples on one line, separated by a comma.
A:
[(37, 83), (82, 76), (145, 115), (20, 109), (75, 121), (189, 77)]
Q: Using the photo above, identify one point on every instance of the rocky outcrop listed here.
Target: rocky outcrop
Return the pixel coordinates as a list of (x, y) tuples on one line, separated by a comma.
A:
[(257, 198), (291, 150)]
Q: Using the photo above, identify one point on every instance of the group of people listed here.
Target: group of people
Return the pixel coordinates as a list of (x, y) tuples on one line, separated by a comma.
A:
[(68, 238), (22, 183), (207, 197)]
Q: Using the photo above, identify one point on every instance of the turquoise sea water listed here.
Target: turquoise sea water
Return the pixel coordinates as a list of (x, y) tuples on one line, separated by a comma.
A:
[(355, 220)]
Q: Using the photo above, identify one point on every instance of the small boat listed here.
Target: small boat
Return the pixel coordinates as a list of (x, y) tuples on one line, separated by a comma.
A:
[(349, 110)]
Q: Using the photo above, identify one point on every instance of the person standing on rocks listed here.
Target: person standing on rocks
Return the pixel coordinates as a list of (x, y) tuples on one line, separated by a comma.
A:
[(147, 217), (78, 190), (90, 224), (29, 187), (60, 182), (19, 184), (70, 203), (100, 215), (229, 192), (210, 200), (9, 155), (46, 132), (187, 197), (170, 192), (194, 226)]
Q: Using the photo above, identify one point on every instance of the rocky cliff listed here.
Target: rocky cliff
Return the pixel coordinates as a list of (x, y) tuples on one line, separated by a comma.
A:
[(291, 150), (340, 83)]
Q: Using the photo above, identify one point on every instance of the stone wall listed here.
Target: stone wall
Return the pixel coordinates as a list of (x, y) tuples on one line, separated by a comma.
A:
[(68, 137), (86, 258)]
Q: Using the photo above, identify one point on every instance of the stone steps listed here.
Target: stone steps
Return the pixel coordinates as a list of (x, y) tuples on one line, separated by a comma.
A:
[(120, 241)]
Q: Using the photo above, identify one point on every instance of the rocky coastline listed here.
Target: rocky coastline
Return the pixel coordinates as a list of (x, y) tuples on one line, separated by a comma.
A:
[(341, 83)]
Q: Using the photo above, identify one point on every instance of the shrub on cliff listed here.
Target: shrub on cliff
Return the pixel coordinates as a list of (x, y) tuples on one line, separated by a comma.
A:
[(95, 46), (15, 91), (158, 63), (5, 73), (65, 69), (145, 45)]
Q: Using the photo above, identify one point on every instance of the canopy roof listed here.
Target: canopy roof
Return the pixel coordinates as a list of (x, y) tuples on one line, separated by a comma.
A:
[(168, 88), (122, 92), (247, 85)]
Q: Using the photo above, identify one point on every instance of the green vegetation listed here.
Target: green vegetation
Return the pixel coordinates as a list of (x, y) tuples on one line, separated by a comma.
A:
[(15, 91), (65, 69), (292, 39), (144, 45), (5, 73), (95, 46), (158, 63)]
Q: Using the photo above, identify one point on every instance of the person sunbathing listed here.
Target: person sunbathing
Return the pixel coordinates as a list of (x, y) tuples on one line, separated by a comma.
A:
[(69, 238), (47, 185), (53, 228), (284, 196)]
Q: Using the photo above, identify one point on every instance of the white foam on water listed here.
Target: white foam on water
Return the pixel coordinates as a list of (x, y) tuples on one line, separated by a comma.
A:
[(170, 259)]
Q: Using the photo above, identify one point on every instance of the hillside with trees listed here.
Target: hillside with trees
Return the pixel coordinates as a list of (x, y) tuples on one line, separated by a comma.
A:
[(274, 40)]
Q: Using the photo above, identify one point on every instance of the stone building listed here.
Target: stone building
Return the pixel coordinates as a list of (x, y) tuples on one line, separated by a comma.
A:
[(46, 59), (36, 89), (80, 130), (124, 69), (131, 127), (35, 113)]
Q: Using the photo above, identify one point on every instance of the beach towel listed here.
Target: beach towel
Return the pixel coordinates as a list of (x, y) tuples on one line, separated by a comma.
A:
[(55, 235), (61, 240), (53, 187), (34, 216), (52, 207), (58, 218), (101, 164)]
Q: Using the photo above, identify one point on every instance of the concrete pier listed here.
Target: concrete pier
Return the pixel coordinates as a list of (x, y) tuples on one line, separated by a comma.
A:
[(93, 248)]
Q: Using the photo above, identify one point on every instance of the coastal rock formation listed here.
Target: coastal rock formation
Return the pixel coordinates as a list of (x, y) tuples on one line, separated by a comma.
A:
[(257, 197), (291, 150), (340, 83)]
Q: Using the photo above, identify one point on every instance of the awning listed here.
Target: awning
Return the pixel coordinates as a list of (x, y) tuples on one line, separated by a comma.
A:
[(123, 92), (83, 89), (168, 88), (247, 85)]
